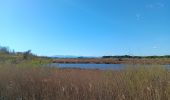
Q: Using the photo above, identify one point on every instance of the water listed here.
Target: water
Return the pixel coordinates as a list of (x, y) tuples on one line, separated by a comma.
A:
[(90, 66), (167, 66), (95, 66)]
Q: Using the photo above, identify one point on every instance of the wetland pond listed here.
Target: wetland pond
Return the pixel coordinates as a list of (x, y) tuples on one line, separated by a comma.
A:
[(97, 66)]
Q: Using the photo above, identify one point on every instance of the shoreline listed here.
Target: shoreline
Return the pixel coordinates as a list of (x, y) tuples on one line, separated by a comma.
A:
[(142, 61)]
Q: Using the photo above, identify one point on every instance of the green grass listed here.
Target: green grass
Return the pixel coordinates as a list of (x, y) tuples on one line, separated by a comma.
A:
[(23, 82)]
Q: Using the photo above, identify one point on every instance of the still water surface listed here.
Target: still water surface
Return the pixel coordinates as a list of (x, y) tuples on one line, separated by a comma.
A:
[(96, 66)]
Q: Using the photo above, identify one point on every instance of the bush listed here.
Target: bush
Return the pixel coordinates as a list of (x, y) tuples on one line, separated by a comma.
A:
[(4, 50)]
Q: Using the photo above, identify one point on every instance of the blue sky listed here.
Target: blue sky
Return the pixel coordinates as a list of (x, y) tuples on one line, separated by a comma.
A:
[(86, 27)]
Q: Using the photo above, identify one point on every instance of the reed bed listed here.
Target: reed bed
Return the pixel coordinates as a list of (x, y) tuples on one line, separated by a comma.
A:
[(141, 61), (42, 83)]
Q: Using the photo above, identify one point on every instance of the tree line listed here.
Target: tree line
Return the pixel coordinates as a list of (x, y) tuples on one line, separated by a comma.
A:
[(6, 50), (139, 57)]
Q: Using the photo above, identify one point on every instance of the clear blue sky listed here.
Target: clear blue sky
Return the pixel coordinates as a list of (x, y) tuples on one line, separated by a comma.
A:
[(86, 27)]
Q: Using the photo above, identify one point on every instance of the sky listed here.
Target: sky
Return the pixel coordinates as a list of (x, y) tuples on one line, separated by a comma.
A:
[(86, 27)]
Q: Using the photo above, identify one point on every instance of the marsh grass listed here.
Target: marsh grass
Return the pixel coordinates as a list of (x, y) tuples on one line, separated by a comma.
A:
[(141, 61), (41, 83)]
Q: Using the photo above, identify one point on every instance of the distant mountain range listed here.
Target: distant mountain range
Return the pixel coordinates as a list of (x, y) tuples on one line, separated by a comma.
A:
[(72, 56), (124, 56)]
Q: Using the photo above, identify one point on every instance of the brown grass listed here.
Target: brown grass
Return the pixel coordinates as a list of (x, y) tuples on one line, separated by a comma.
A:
[(114, 60), (137, 83)]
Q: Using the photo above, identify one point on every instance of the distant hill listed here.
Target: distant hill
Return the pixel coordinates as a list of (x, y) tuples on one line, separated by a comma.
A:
[(72, 56)]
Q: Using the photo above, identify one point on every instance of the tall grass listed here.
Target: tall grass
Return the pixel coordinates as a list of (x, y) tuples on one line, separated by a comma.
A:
[(40, 83), (142, 61)]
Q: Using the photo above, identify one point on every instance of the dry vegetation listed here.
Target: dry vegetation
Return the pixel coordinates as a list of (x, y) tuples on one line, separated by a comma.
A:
[(114, 60), (40, 83)]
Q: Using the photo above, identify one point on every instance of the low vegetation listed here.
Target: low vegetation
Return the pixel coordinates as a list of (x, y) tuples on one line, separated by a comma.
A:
[(41, 83), (142, 61), (8, 56), (24, 76)]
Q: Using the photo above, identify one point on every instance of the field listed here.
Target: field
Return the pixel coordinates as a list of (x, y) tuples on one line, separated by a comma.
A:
[(23, 82), (142, 61), (26, 77)]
